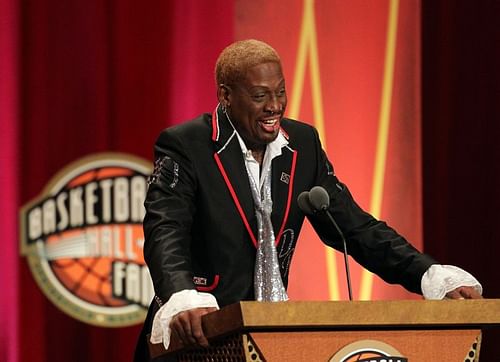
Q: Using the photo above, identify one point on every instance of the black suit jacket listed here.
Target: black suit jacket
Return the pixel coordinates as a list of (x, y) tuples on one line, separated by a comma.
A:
[(200, 225)]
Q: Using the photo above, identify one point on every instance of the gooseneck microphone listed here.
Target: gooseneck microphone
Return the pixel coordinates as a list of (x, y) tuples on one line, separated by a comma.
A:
[(318, 200)]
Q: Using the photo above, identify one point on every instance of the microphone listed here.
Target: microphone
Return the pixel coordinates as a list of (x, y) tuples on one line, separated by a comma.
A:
[(304, 203), (318, 200)]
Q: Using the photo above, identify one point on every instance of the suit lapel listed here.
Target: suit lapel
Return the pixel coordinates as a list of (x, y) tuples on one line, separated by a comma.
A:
[(283, 174), (232, 167)]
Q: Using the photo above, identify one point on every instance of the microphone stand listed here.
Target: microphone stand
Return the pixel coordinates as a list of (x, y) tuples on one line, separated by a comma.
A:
[(346, 261)]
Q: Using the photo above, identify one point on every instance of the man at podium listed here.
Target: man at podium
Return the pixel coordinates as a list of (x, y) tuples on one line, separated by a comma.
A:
[(222, 209)]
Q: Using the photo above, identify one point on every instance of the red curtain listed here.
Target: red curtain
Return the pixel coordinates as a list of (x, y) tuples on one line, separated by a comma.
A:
[(461, 129), (9, 345), (102, 76)]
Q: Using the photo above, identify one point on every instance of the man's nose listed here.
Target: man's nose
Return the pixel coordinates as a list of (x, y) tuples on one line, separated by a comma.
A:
[(273, 104)]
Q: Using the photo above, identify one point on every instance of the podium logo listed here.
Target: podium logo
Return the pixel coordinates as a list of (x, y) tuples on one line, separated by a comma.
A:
[(83, 240), (368, 351)]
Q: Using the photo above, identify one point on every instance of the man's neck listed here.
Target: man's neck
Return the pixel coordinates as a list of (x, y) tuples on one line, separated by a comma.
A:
[(258, 155)]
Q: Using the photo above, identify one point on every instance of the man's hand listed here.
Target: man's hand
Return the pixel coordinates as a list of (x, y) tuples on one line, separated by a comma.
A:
[(464, 293), (187, 326)]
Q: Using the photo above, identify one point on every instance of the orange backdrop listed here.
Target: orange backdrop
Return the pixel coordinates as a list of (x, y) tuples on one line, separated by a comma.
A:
[(353, 71)]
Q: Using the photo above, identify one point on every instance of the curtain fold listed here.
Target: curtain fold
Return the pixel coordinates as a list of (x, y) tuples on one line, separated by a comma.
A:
[(101, 76), (9, 45), (460, 130)]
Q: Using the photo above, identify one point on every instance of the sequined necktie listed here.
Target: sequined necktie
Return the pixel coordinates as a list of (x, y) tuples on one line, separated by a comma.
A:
[(268, 285)]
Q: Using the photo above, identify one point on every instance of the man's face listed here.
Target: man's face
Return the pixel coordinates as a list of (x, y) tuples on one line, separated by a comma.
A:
[(257, 104)]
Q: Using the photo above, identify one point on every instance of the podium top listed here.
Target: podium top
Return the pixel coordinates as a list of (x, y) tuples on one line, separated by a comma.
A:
[(408, 314), (250, 316)]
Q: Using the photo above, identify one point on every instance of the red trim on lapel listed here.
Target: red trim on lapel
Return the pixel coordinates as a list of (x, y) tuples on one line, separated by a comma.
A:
[(215, 124), (284, 133), (235, 199), (290, 191), (209, 288)]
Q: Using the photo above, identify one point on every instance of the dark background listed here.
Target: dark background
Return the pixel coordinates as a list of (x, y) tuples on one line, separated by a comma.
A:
[(461, 137)]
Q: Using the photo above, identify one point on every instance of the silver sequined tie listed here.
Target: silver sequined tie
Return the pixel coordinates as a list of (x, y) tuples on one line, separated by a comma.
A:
[(268, 284)]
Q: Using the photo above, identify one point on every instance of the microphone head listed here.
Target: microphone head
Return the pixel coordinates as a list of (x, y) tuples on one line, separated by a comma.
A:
[(318, 198), (304, 203)]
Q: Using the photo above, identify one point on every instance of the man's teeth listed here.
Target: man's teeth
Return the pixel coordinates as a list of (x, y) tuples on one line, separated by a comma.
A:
[(270, 121)]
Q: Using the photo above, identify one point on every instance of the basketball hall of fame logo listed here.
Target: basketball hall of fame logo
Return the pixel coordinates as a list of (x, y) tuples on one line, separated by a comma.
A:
[(83, 240), (368, 351)]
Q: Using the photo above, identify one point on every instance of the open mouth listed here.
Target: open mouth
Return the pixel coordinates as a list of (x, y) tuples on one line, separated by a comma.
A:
[(270, 125)]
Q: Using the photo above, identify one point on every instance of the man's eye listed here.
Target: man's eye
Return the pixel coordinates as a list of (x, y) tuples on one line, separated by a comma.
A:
[(281, 93), (259, 96)]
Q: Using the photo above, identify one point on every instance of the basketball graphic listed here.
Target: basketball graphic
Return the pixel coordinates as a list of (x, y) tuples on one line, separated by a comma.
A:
[(368, 351), (364, 356), (86, 276), (83, 240)]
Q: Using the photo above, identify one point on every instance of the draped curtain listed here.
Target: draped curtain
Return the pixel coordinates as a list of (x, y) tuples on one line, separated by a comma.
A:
[(460, 130), (9, 46), (98, 76)]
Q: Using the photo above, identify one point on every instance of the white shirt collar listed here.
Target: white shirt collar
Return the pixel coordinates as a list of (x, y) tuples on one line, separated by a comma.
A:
[(273, 149)]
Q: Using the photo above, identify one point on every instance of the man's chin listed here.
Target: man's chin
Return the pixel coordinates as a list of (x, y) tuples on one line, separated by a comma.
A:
[(269, 137)]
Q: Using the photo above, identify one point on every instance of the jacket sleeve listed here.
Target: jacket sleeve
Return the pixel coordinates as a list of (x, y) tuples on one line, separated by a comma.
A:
[(170, 208), (371, 242)]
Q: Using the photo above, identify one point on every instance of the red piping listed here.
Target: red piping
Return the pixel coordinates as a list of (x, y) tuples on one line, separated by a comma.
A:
[(235, 199), (290, 190), (214, 125), (210, 287), (240, 209), (284, 133)]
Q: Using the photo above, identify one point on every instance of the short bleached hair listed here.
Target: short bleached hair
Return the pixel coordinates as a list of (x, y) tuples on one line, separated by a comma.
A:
[(237, 58)]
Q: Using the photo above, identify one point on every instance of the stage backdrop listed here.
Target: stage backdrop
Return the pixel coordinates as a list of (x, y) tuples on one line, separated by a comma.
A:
[(353, 71), (108, 76), (100, 76)]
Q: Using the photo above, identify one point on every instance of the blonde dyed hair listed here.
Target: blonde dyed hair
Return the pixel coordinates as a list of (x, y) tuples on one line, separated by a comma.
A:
[(237, 58)]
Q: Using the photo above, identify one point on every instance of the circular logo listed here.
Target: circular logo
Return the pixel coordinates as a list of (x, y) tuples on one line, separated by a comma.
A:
[(368, 351), (83, 240)]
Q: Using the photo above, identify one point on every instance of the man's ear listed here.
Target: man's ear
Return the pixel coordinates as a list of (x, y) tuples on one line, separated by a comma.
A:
[(224, 95)]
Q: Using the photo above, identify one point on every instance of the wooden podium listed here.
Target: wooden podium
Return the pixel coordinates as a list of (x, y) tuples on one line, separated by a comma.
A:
[(448, 330)]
